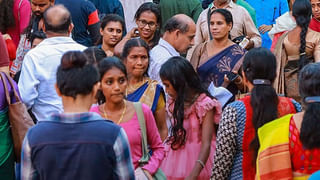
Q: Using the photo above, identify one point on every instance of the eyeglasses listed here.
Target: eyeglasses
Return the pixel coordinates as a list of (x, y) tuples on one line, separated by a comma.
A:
[(143, 23)]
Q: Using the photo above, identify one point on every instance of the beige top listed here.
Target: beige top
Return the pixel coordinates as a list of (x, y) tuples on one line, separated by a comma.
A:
[(286, 81), (242, 25), (312, 46)]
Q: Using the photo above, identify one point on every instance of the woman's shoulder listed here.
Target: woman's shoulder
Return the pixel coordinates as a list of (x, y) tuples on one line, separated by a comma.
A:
[(152, 82), (204, 104), (201, 48), (238, 107), (200, 52), (313, 36), (204, 99), (290, 103), (280, 124), (240, 103)]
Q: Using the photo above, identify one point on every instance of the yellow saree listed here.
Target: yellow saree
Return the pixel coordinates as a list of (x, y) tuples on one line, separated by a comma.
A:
[(273, 160)]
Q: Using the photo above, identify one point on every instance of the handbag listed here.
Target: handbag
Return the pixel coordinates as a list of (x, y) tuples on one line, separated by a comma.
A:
[(291, 72), (19, 118), (159, 175)]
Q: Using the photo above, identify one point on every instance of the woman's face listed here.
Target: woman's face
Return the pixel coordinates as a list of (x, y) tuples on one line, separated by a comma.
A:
[(137, 61), (112, 33), (219, 27), (147, 24), (316, 8), (169, 89), (113, 85)]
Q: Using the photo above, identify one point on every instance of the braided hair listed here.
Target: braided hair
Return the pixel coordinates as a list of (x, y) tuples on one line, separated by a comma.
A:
[(302, 11)]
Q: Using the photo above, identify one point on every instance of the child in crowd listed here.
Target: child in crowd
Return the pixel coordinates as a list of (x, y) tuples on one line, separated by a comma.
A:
[(193, 113)]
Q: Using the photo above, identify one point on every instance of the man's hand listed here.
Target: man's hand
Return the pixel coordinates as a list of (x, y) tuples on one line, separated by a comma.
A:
[(265, 28)]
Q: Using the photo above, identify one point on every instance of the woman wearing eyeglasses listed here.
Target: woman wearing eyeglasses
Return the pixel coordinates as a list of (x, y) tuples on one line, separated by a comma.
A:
[(148, 22)]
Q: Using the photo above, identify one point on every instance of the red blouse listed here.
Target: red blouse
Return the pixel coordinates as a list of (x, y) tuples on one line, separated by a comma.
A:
[(303, 161)]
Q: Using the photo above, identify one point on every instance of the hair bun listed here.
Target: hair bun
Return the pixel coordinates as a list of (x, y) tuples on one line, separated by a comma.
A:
[(73, 59)]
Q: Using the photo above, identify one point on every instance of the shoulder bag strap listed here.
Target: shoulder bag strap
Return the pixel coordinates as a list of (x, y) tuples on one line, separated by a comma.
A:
[(208, 19), (19, 16), (145, 157), (5, 87), (6, 76)]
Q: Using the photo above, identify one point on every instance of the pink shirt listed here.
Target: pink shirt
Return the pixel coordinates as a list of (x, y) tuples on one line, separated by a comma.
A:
[(22, 16), (133, 131)]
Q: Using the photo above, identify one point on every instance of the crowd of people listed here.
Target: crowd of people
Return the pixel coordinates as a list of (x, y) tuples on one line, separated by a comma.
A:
[(163, 89)]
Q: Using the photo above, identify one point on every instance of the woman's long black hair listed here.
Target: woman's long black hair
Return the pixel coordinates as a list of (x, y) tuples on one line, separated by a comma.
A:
[(260, 63), (186, 82), (302, 11), (6, 15), (309, 85)]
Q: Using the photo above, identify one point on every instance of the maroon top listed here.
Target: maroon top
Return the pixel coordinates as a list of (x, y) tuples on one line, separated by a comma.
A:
[(4, 57)]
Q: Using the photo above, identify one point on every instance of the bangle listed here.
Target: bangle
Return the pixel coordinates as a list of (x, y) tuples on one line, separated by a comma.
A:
[(201, 163)]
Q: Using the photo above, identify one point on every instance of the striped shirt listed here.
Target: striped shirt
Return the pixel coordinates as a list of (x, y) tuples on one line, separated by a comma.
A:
[(123, 166)]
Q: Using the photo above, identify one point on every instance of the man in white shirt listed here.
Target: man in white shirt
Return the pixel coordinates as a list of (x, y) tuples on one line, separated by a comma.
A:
[(178, 38), (38, 73)]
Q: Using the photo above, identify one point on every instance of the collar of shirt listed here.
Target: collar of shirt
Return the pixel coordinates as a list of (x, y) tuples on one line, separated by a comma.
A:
[(230, 5), (74, 117), (57, 40), (168, 47)]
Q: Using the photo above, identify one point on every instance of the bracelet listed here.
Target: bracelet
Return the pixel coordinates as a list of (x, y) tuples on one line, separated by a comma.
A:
[(201, 163)]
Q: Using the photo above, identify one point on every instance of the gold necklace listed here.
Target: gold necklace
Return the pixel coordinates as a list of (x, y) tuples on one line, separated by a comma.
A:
[(121, 117)]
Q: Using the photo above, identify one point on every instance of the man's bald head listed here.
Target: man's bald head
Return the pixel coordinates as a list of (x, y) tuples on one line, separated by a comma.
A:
[(179, 21), (179, 32), (57, 19)]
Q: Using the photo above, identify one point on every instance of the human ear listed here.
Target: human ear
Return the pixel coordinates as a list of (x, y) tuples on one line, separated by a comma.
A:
[(176, 34), (57, 90), (101, 31), (230, 26), (96, 87), (95, 90), (246, 82), (44, 28), (70, 28)]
